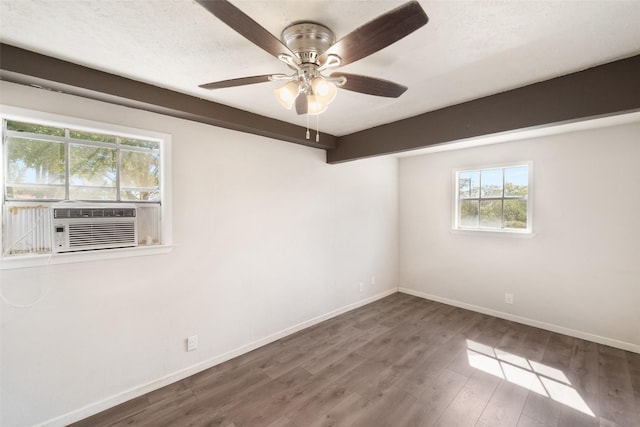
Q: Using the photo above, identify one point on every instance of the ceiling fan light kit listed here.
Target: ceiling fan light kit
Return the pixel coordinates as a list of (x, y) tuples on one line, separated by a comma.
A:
[(307, 40), (310, 49)]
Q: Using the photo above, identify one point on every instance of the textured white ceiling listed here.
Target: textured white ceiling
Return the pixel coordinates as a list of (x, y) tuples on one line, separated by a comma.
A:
[(467, 50)]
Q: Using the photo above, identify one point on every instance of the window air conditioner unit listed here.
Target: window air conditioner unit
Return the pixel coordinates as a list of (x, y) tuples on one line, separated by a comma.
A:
[(82, 227)]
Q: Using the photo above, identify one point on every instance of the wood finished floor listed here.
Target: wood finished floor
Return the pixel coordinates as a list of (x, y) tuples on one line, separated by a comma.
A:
[(404, 361)]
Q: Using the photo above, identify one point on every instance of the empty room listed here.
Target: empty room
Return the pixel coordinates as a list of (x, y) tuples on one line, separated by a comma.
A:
[(291, 213)]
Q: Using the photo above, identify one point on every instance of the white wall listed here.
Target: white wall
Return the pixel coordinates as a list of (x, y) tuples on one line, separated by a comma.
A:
[(268, 237), (579, 275)]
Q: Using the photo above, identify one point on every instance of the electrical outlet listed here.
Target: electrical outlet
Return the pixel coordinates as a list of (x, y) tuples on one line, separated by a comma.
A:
[(373, 280), (192, 343), (361, 286), (508, 298)]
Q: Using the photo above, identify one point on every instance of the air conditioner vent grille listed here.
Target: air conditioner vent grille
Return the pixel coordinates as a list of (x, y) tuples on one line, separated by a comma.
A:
[(115, 212), (101, 234), (91, 227)]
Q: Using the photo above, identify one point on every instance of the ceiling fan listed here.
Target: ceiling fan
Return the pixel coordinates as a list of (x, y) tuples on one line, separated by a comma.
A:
[(310, 50)]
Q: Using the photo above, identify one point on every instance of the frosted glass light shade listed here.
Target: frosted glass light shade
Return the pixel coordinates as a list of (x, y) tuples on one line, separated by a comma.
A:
[(324, 90), (315, 105), (287, 94)]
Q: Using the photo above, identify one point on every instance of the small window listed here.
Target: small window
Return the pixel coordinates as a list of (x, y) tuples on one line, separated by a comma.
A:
[(46, 162), (493, 199)]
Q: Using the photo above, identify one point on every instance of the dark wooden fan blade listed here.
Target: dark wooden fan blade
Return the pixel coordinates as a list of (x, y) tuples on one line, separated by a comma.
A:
[(302, 104), (375, 35), (247, 27), (236, 82), (371, 85)]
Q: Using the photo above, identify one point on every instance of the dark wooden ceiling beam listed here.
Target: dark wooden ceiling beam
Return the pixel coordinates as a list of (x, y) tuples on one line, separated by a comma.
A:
[(604, 90), (26, 67), (599, 91)]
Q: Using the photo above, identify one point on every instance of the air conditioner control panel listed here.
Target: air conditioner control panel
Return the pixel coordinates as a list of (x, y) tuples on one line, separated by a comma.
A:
[(59, 236)]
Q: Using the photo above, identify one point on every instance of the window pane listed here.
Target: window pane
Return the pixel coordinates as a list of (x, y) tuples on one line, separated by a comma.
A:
[(91, 193), (515, 213), (34, 128), (140, 143), (92, 173), (491, 213), (139, 175), (491, 180), (140, 194), (516, 181), (90, 136), (35, 169), (468, 213), (32, 192), (468, 184)]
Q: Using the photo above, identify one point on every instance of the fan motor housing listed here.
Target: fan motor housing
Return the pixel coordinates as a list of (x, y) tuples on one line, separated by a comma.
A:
[(308, 40)]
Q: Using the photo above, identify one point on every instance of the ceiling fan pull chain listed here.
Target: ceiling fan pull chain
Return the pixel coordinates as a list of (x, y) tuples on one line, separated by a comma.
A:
[(317, 127), (308, 135)]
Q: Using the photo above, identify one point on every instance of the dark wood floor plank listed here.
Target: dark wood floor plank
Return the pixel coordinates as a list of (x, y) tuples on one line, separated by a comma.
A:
[(323, 391), (340, 368), (491, 332), (583, 377), (542, 409), (343, 414), (319, 403), (278, 365), (384, 408), (513, 338), (633, 363), (504, 407), (164, 412), (432, 400), (607, 423), (534, 345), (282, 422), (559, 352), (570, 417), (267, 403), (370, 378), (427, 310), (461, 364), (526, 421), (228, 387), (338, 351), (406, 314), (430, 367), (403, 361), (466, 408), (617, 397)]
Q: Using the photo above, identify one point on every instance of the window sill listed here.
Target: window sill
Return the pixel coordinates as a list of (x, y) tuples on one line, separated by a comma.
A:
[(507, 234), (27, 261)]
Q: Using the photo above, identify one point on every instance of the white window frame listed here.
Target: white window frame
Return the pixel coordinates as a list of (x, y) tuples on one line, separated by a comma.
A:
[(511, 232), (166, 237)]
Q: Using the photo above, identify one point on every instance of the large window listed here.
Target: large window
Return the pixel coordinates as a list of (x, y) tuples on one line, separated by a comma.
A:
[(493, 199), (46, 162), (60, 163)]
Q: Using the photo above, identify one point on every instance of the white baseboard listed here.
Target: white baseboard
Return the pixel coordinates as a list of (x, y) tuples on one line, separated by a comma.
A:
[(526, 321), (134, 392)]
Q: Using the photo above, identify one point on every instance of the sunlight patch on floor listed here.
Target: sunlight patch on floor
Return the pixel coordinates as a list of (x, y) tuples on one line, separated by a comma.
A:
[(541, 379)]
